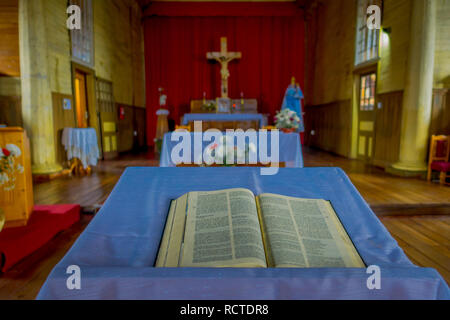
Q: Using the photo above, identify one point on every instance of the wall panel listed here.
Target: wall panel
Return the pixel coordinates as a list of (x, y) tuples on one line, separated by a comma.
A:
[(331, 123)]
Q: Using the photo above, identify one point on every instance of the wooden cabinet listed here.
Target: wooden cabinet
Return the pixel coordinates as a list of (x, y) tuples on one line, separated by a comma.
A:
[(17, 203)]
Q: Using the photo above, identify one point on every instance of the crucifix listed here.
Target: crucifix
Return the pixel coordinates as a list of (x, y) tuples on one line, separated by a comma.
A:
[(223, 57)]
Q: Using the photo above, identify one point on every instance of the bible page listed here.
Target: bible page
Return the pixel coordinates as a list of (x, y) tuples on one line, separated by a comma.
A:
[(315, 238), (222, 230)]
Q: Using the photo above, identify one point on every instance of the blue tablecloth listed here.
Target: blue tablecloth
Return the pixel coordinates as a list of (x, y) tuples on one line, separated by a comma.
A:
[(290, 150), (188, 117), (117, 250)]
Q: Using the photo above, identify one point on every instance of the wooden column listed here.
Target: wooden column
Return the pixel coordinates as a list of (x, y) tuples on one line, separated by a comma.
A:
[(418, 91), (37, 108)]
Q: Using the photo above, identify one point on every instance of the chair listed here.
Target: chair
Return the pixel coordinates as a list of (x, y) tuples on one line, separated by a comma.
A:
[(181, 128), (439, 158), (270, 128)]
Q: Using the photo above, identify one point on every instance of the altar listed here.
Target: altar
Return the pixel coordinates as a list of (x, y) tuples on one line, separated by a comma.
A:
[(117, 251), (291, 157), (224, 112), (224, 121)]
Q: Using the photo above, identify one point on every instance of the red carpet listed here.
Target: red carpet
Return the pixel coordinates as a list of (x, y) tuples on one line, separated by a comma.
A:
[(45, 222)]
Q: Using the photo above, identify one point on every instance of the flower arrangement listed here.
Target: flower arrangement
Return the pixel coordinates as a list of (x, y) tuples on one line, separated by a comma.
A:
[(8, 167), (226, 153), (209, 106), (287, 119)]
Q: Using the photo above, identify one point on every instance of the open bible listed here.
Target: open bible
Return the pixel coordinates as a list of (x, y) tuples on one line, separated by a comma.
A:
[(233, 228)]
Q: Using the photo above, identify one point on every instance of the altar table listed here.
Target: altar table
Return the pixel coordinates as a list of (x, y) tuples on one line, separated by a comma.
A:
[(224, 117), (290, 150), (118, 249)]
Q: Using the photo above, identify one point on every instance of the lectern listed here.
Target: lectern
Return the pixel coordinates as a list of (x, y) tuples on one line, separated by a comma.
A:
[(17, 203)]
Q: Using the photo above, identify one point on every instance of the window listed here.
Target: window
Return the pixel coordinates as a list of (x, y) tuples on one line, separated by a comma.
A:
[(83, 39), (367, 92), (367, 40), (105, 98)]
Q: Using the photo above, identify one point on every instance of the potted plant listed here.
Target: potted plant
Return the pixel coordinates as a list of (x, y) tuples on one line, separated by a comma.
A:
[(287, 121), (8, 170), (209, 106)]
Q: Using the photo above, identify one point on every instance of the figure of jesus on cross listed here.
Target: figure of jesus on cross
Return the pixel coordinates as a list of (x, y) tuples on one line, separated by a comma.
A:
[(224, 57)]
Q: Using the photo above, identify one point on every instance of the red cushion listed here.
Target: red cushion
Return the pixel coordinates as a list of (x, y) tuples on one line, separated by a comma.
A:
[(440, 166), (44, 223), (441, 148)]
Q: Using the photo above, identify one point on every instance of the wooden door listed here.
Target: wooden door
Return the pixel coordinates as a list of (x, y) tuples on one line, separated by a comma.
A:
[(81, 104), (366, 116), (107, 118), (139, 128), (388, 128)]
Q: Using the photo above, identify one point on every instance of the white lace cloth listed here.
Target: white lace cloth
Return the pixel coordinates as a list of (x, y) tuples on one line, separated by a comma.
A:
[(82, 144)]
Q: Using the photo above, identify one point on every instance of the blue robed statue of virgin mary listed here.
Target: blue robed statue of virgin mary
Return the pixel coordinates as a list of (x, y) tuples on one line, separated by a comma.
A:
[(293, 101)]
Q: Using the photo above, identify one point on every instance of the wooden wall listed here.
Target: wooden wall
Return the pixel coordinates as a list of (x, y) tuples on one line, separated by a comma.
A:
[(331, 124), (394, 47), (119, 51), (334, 47), (58, 47), (10, 101), (61, 119), (440, 114), (11, 111), (331, 41), (329, 109), (442, 51), (9, 38)]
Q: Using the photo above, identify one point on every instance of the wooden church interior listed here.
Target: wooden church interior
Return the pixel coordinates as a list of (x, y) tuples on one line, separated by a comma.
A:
[(376, 102)]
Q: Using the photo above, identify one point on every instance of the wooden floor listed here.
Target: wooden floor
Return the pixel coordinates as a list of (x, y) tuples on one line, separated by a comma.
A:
[(385, 193), (414, 211), (424, 239)]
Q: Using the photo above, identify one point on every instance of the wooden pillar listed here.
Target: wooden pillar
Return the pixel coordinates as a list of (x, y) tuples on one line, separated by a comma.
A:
[(418, 92), (37, 110)]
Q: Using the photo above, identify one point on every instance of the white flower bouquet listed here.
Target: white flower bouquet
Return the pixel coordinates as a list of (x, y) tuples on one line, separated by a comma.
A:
[(8, 170), (287, 119), (226, 153), (8, 167)]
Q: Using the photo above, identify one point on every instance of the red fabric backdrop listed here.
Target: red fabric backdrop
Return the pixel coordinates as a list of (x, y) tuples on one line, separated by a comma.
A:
[(270, 38)]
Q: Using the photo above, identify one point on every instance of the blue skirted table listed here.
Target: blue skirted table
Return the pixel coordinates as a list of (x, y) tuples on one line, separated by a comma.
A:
[(117, 251), (290, 149)]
